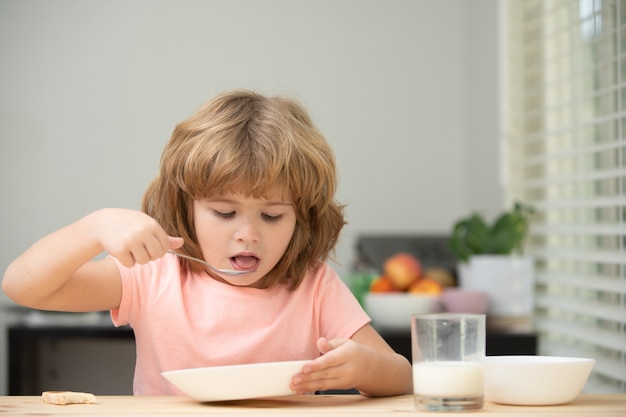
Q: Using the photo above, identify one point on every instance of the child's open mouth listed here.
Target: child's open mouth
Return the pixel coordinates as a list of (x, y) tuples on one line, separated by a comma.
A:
[(245, 262)]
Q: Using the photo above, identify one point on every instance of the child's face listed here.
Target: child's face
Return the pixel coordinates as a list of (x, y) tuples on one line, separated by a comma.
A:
[(239, 232)]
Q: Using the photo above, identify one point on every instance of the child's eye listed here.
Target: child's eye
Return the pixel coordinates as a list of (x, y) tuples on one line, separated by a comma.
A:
[(270, 218), (223, 214)]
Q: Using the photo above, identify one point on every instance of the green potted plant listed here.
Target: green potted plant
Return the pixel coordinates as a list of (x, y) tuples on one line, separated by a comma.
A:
[(491, 260), (473, 236)]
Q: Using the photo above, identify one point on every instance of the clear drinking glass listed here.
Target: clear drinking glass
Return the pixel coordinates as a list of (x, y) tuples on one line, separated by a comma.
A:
[(448, 354)]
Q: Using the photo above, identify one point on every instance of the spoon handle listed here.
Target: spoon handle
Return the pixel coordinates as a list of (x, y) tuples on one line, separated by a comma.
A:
[(221, 271)]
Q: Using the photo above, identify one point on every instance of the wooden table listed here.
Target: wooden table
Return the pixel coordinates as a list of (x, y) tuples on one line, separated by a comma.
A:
[(301, 405)]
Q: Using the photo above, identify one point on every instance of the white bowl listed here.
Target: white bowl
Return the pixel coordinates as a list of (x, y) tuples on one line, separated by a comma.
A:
[(393, 310), (535, 380), (237, 382)]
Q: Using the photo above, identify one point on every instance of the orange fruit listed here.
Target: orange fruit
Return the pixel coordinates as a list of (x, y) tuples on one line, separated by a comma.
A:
[(426, 286), (381, 284), (442, 275)]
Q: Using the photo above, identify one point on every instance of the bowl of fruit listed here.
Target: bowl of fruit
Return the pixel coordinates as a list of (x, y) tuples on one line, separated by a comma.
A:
[(402, 290)]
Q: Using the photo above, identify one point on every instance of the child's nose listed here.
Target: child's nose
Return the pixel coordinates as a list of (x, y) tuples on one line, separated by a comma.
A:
[(247, 232)]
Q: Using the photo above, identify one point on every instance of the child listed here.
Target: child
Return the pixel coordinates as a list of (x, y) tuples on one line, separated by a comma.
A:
[(246, 183)]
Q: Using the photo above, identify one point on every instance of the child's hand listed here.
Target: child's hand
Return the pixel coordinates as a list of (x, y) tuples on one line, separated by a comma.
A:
[(131, 236), (343, 364)]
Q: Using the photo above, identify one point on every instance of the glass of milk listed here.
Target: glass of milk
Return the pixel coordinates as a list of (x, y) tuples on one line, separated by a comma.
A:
[(448, 352)]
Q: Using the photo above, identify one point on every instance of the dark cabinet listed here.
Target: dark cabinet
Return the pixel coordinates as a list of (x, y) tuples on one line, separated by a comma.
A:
[(496, 343)]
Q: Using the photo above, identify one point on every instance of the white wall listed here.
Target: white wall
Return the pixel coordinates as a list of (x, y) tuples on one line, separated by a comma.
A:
[(405, 91)]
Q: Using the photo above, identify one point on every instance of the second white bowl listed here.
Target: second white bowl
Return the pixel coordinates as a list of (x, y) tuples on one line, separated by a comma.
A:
[(535, 380)]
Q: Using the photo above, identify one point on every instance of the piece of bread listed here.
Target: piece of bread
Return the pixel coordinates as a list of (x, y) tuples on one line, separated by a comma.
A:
[(68, 397)]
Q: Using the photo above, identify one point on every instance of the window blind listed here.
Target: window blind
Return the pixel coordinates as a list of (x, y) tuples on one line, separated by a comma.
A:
[(564, 147)]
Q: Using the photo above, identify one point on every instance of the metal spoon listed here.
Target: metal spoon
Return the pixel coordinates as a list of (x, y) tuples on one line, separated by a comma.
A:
[(221, 271)]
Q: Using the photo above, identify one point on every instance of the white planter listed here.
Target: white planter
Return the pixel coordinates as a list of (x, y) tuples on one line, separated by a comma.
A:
[(508, 281)]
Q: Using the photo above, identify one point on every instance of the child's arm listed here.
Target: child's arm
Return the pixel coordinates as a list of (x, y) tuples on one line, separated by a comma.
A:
[(57, 272), (365, 362)]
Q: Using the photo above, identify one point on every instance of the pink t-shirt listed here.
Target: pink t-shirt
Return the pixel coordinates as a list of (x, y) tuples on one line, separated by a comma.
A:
[(189, 320)]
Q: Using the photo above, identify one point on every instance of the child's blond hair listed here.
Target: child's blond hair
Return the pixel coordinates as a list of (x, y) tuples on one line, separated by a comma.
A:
[(244, 142)]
